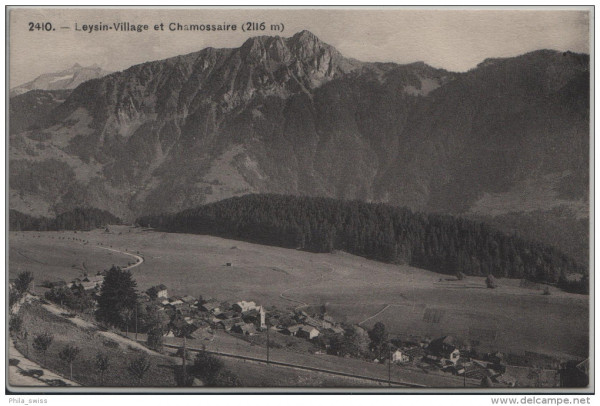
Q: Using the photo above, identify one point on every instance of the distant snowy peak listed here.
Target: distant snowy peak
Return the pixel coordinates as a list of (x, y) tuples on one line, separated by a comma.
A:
[(66, 79)]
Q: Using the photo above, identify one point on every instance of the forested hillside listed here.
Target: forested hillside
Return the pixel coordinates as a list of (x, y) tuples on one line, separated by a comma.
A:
[(382, 232), (77, 219)]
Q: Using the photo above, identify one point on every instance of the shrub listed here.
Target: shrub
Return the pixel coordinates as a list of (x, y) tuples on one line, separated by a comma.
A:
[(15, 324), (138, 367), (102, 364), (42, 342), (490, 282), (155, 338)]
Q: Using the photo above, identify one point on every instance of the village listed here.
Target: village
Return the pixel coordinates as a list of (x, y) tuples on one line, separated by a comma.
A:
[(202, 316)]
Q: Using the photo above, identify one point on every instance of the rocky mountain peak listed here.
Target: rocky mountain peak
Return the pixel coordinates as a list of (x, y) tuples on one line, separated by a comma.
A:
[(265, 48), (306, 39), (303, 47)]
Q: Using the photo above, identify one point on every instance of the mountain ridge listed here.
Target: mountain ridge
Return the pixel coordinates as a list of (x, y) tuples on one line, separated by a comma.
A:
[(294, 116)]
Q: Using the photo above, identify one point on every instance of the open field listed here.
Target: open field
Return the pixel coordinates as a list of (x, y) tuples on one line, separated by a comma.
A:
[(416, 302), (50, 257)]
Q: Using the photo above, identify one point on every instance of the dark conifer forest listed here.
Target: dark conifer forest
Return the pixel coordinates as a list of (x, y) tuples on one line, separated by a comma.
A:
[(439, 243), (76, 219)]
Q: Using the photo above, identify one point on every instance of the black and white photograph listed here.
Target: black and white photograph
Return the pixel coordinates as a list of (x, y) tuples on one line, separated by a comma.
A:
[(309, 199)]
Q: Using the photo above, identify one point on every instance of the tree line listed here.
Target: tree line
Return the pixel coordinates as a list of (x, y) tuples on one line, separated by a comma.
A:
[(77, 219), (440, 243)]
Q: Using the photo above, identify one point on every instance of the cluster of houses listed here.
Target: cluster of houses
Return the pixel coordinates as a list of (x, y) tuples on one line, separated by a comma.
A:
[(305, 326), (444, 354), (204, 314), (242, 317)]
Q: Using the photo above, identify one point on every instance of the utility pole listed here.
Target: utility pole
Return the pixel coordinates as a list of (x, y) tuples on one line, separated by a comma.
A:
[(390, 366), (184, 360), (267, 323), (136, 331)]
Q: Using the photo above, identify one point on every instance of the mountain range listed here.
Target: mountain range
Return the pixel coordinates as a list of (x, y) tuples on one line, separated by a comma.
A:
[(506, 142)]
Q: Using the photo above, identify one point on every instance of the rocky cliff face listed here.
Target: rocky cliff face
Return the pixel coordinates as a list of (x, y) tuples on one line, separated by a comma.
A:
[(292, 115)]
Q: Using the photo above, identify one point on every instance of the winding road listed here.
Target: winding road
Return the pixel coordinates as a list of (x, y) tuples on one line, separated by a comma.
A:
[(139, 259), (289, 299)]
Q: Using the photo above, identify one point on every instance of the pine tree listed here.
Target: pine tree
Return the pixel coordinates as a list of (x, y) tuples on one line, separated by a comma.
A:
[(116, 295)]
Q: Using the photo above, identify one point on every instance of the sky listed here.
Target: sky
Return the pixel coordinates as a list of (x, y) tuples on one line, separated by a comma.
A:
[(453, 39)]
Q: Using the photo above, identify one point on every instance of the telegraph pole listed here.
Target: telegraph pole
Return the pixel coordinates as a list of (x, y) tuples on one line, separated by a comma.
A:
[(390, 366), (136, 331), (267, 324), (184, 362)]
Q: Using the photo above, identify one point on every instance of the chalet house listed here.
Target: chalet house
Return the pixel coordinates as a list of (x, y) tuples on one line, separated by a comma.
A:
[(230, 314), (400, 357), (97, 279), (336, 330), (202, 331), (415, 353), (244, 328), (308, 332), (243, 306), (174, 301), (292, 330), (477, 370), (212, 306), (161, 292), (185, 310), (189, 299), (309, 321), (443, 350), (90, 285), (158, 291), (228, 324), (85, 285), (180, 324)]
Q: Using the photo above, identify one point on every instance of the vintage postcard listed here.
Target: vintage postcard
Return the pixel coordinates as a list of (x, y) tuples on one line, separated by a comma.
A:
[(299, 199)]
